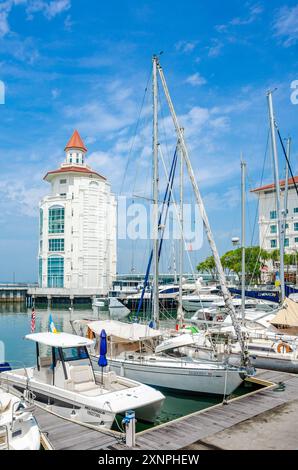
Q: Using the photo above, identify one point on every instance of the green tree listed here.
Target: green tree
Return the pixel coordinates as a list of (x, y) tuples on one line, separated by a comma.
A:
[(208, 265), (232, 262)]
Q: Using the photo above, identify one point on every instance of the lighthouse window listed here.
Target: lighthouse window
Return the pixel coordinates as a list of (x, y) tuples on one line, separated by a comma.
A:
[(56, 220), (40, 221), (56, 244), (40, 272), (55, 272)]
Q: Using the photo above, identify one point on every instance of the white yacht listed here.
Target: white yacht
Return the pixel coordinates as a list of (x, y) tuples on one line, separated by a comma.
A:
[(194, 302), (113, 305), (137, 351), (66, 382), (217, 312), (18, 428)]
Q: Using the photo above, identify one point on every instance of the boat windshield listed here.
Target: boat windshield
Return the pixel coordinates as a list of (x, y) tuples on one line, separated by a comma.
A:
[(75, 354)]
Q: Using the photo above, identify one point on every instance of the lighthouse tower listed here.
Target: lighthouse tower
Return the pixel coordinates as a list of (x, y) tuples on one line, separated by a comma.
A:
[(77, 244)]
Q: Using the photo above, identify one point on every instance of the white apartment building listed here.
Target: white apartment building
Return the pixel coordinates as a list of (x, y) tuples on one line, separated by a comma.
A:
[(77, 244), (268, 229)]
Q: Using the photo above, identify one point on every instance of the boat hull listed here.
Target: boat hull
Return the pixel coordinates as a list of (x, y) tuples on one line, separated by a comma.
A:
[(219, 382), (270, 363)]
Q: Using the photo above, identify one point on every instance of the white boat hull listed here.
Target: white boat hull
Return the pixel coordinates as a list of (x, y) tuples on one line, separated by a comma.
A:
[(99, 411), (192, 305), (181, 378)]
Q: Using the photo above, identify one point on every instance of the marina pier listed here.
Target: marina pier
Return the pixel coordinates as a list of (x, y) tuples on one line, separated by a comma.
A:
[(214, 428)]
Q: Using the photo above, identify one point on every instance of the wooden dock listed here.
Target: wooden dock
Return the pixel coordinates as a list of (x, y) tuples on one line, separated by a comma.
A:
[(178, 434), (58, 433)]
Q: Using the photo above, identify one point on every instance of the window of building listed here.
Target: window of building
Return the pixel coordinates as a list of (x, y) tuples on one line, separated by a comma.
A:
[(63, 181), (56, 244), (296, 226), (40, 272), (40, 221), (56, 219), (63, 194), (286, 242), (273, 229), (56, 271), (273, 243), (296, 239), (272, 214), (286, 226), (295, 210), (40, 245)]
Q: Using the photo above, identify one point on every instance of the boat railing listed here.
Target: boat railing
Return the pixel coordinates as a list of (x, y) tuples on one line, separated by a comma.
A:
[(14, 365)]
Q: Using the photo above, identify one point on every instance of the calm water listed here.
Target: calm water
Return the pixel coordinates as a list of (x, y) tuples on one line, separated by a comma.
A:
[(15, 323)]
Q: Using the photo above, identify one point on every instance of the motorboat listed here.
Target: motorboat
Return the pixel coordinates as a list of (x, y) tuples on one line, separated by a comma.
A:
[(194, 302), (18, 427), (114, 306), (66, 383), (217, 312), (139, 352)]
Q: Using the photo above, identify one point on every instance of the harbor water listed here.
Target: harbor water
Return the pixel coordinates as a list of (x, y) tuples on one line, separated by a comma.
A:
[(15, 323)]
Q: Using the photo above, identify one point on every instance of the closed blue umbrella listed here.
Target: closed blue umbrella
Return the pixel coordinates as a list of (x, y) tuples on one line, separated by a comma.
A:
[(102, 360)]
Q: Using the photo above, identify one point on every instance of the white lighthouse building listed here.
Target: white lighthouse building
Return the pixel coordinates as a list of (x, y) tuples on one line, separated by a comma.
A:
[(77, 244)]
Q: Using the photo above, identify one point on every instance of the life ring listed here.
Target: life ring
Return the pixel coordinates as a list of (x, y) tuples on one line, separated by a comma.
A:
[(283, 348)]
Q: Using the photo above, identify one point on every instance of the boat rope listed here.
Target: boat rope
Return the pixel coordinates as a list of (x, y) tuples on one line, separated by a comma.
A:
[(165, 203), (135, 132), (286, 157), (260, 184)]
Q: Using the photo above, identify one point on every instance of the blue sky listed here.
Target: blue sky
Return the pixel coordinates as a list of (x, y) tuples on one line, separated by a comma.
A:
[(67, 65)]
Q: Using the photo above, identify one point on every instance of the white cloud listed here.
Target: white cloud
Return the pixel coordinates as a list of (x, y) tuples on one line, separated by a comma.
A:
[(185, 46), (50, 9), (20, 197), (196, 80), (286, 25), (55, 93), (215, 49), (254, 11)]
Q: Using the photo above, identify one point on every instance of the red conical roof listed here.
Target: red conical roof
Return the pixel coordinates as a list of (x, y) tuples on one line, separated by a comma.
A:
[(75, 142)]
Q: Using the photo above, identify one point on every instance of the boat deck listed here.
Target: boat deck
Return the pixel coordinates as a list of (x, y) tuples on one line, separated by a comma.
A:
[(199, 427)]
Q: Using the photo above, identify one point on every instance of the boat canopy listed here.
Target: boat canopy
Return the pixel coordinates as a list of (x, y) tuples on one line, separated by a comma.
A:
[(287, 315), (60, 340), (128, 331), (179, 341)]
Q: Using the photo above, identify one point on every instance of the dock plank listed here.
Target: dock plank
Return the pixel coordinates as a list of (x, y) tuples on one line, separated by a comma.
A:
[(65, 434)]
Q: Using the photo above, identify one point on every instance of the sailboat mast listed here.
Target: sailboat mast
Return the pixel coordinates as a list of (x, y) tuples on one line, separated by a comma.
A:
[(243, 171), (286, 187), (280, 218), (181, 247), (155, 233), (225, 291)]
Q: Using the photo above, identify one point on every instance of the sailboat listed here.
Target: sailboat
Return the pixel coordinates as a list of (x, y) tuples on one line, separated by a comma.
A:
[(271, 337), (134, 349)]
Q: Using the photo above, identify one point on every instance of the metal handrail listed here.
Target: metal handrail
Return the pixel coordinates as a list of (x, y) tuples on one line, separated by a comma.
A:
[(5, 380)]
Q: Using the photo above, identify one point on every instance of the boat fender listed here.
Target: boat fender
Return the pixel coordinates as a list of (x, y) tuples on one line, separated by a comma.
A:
[(283, 348)]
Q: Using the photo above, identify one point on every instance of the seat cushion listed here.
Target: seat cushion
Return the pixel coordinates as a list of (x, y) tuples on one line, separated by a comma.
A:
[(5, 400)]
